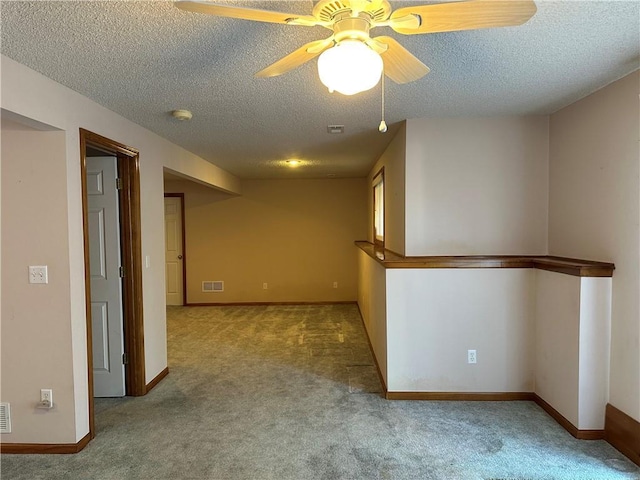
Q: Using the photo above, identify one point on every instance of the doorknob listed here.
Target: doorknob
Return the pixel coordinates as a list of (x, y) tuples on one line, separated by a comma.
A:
[(179, 257)]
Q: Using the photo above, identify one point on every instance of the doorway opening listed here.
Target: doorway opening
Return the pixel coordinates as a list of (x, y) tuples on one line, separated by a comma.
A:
[(127, 166), (175, 249)]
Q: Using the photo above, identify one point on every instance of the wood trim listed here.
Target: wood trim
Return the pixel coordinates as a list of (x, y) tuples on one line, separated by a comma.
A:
[(575, 267), (379, 173), (106, 144), (568, 266), (566, 424), (129, 168), (87, 278), (38, 448), (158, 378), (373, 354), (399, 255), (129, 171), (623, 432), (502, 397), (461, 396), (184, 244), (257, 304)]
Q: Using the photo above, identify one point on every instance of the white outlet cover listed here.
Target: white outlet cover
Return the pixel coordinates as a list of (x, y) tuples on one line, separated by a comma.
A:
[(38, 274), (472, 356), (46, 394)]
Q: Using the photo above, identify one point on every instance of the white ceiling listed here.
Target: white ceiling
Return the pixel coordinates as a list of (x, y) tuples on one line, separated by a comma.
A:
[(144, 59)]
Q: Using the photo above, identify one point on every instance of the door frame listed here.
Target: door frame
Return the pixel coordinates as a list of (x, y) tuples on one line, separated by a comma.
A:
[(184, 245), (128, 160)]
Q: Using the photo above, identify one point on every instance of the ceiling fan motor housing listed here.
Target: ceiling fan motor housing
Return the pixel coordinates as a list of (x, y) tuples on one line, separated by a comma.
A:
[(327, 10), (356, 28)]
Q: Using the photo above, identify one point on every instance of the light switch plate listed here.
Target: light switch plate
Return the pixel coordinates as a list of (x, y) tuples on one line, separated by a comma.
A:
[(38, 274)]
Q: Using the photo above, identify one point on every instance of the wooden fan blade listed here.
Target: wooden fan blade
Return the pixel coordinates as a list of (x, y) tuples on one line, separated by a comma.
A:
[(377, 46), (400, 65), (468, 15), (246, 13), (296, 58)]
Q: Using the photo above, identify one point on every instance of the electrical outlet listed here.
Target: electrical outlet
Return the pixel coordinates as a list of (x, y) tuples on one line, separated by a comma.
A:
[(46, 398), (38, 274), (471, 356), (335, 284), (265, 286)]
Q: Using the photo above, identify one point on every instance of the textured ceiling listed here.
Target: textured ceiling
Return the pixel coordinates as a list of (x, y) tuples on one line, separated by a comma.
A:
[(144, 59)]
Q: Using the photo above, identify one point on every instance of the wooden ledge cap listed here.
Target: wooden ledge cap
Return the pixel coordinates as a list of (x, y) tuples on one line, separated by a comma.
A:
[(568, 266)]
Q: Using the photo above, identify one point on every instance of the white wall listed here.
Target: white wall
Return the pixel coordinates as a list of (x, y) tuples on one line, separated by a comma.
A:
[(594, 212), (373, 306), (436, 315), (35, 97), (477, 186)]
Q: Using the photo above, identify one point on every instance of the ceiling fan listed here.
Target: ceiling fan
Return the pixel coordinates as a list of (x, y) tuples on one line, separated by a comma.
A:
[(350, 52)]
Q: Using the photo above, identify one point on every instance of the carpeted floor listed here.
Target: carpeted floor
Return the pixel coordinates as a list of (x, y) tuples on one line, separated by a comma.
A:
[(291, 392)]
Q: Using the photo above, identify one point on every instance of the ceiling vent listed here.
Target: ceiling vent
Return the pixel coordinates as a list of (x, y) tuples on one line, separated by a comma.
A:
[(5, 418), (213, 286)]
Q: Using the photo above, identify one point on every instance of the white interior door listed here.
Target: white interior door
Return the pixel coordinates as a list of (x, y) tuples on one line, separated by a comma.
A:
[(106, 284), (173, 249)]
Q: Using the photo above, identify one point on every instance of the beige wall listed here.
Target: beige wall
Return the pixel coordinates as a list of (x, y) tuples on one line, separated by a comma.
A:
[(569, 186), (533, 330), (477, 186), (572, 322), (35, 319), (557, 337), (594, 212), (434, 316), (595, 351), (295, 235), (36, 99), (372, 301), (393, 161)]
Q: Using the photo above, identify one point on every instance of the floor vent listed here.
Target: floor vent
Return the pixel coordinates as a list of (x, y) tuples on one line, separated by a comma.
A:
[(214, 286), (5, 418)]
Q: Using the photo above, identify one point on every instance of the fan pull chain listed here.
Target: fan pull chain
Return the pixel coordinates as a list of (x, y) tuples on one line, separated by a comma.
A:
[(383, 126)]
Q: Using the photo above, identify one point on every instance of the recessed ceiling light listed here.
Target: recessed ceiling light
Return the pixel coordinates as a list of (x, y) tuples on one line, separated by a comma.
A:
[(335, 129), (293, 163), (182, 115)]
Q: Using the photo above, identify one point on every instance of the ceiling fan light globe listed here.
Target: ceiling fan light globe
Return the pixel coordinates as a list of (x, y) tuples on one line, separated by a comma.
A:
[(350, 67)]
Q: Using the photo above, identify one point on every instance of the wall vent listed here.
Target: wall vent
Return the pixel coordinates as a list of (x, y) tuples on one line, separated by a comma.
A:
[(335, 129), (213, 286), (5, 418)]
